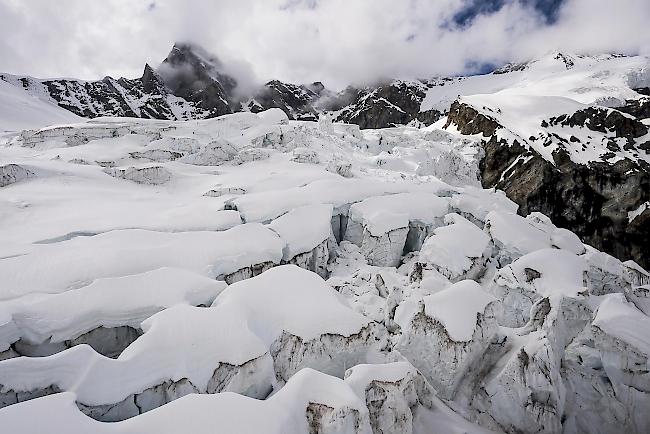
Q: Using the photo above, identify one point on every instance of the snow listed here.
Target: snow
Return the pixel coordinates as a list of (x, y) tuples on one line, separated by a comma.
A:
[(516, 233), (303, 228), (621, 319), (265, 296), (385, 213), (456, 308), (360, 376), (631, 215), (110, 302), (82, 250), (20, 110), (521, 100), (190, 342), (590, 80), (58, 267), (337, 191), (478, 202), (561, 272), (451, 247), (283, 413)]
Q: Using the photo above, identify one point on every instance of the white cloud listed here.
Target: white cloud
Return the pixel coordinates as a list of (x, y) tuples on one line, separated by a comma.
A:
[(336, 41)]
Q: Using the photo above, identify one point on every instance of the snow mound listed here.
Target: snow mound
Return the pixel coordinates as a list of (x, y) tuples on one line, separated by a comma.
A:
[(621, 319), (456, 248), (303, 228), (385, 213), (58, 267), (456, 308), (109, 302)]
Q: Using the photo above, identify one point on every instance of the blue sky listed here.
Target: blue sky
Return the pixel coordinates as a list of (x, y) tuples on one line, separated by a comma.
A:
[(547, 8)]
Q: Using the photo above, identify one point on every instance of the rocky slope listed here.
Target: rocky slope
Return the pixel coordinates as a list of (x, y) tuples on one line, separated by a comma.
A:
[(584, 163), (394, 103)]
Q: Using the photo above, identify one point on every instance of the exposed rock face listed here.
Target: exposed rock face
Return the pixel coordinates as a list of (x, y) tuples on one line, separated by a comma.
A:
[(469, 121), (593, 200), (297, 101), (190, 84), (599, 119), (395, 103), (196, 76), (639, 108)]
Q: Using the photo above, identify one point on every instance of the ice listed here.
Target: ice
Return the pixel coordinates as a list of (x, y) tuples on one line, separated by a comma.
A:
[(551, 273), (385, 213), (248, 323), (265, 299), (109, 302), (456, 308), (57, 267), (449, 334), (303, 228), (310, 399), (454, 250), (621, 319), (231, 282), (144, 175), (12, 173)]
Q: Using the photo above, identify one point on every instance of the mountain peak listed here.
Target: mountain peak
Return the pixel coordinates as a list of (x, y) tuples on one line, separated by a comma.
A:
[(190, 53), (151, 81)]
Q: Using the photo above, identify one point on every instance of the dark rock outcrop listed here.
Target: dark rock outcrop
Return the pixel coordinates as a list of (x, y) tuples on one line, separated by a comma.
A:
[(603, 121), (593, 200), (197, 76), (297, 101), (387, 105)]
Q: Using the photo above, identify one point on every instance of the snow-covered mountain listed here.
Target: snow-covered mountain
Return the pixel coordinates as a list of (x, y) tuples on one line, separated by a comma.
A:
[(189, 84)]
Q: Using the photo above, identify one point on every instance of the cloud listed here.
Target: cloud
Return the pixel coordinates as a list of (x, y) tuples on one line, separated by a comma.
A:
[(334, 41)]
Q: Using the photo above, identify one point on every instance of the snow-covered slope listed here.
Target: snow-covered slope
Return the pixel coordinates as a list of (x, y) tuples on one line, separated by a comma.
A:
[(19, 110), (250, 273)]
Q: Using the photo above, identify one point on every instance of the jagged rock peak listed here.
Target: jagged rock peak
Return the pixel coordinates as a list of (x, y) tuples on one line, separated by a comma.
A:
[(189, 53), (151, 80)]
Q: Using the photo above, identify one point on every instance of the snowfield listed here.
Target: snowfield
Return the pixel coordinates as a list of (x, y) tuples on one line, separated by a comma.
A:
[(252, 274)]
